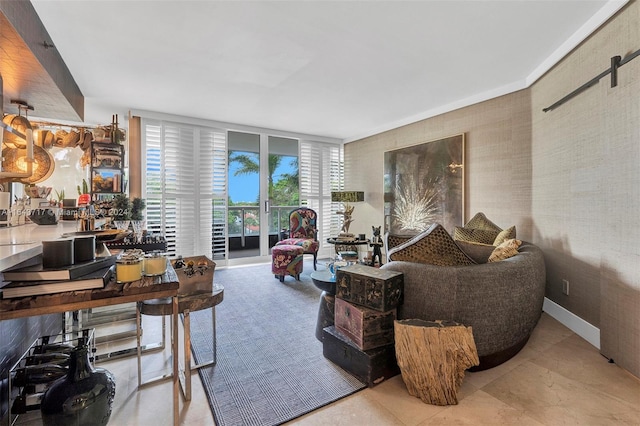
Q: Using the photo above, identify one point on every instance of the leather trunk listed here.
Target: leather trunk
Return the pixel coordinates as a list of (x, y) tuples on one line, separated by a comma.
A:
[(374, 288), (370, 367), (367, 328)]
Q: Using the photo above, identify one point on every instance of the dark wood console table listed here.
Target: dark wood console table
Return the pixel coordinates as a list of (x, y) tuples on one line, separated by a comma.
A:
[(112, 294)]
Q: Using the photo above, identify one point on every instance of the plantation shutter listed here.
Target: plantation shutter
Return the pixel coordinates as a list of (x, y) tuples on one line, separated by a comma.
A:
[(183, 185), (219, 218), (321, 171)]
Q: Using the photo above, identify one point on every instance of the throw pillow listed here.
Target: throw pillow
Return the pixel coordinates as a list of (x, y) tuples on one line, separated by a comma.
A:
[(480, 221), (505, 235), (478, 252), (392, 240), (433, 246), (505, 250), (484, 236)]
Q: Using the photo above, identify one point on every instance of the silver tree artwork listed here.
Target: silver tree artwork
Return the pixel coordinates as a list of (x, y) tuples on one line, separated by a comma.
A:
[(423, 185), (416, 208)]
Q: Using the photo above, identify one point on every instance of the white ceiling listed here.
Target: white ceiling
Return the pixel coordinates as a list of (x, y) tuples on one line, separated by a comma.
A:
[(343, 69)]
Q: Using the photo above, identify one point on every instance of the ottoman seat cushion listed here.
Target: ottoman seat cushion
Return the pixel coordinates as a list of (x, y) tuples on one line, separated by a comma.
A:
[(286, 259)]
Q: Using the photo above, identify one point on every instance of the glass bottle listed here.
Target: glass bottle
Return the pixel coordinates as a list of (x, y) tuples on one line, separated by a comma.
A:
[(83, 397)]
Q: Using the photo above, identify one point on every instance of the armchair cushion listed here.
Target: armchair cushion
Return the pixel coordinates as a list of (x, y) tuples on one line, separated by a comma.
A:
[(309, 246)]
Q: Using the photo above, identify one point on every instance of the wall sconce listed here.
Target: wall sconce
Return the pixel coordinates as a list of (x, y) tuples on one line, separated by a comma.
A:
[(346, 197)]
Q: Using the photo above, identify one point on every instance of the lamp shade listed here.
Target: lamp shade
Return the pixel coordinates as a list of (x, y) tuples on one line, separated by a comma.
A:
[(347, 196)]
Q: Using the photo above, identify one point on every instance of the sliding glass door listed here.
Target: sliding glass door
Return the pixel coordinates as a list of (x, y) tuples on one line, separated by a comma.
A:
[(283, 185), (263, 188)]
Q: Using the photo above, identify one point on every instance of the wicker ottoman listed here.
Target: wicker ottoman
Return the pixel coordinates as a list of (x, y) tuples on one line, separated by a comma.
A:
[(286, 260)]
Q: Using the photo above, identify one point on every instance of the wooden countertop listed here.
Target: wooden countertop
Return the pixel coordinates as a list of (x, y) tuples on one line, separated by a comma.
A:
[(113, 293)]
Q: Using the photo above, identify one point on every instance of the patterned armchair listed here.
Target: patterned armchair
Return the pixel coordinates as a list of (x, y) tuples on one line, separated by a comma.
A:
[(303, 231)]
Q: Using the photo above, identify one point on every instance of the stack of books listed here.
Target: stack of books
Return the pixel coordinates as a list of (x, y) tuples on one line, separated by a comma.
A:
[(36, 280)]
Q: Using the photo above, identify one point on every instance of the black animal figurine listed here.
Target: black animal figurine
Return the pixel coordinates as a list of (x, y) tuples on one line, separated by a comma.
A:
[(376, 243)]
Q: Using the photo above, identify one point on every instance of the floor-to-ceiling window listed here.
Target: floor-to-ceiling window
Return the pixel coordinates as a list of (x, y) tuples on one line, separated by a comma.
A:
[(215, 191)]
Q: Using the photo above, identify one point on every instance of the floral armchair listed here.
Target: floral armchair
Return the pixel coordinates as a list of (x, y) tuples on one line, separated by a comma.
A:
[(303, 231)]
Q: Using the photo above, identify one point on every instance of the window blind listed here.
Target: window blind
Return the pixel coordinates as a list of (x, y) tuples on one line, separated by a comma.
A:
[(185, 186), (322, 171)]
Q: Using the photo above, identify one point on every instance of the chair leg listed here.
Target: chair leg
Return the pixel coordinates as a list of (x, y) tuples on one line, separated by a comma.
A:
[(315, 260)]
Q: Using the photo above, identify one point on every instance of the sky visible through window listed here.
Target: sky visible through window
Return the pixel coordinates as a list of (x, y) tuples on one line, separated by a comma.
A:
[(245, 188)]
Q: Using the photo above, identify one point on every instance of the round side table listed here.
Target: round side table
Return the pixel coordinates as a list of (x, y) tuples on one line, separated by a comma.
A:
[(327, 283), (346, 246)]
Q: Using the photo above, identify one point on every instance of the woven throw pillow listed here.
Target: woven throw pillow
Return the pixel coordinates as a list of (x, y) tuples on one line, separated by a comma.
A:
[(392, 240), (505, 235), (480, 221), (505, 250), (433, 246), (484, 236)]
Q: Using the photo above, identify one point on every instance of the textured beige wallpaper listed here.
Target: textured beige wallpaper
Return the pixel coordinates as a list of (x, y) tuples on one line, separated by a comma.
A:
[(568, 179), (497, 161), (586, 186)]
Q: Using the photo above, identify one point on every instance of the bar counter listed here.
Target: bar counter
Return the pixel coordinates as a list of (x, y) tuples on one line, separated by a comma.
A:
[(22, 242)]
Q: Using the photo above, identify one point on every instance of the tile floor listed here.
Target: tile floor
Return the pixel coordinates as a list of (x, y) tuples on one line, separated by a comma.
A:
[(557, 379)]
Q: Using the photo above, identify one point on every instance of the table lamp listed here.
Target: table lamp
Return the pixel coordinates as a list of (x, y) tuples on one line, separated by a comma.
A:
[(346, 197)]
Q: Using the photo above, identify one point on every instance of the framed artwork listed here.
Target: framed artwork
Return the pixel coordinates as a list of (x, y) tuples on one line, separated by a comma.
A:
[(424, 184)]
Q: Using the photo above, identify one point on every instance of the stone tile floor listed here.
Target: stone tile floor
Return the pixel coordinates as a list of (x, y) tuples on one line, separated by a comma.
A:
[(557, 379)]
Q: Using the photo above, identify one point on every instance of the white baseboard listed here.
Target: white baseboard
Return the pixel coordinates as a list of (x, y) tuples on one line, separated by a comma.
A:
[(573, 322)]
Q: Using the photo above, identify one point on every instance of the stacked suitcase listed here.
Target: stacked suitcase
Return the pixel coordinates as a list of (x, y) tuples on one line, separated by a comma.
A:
[(361, 341)]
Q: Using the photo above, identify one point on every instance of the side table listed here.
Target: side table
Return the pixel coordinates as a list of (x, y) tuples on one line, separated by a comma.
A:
[(433, 356), (342, 246), (326, 308)]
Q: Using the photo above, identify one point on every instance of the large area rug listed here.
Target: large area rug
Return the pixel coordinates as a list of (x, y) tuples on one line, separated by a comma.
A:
[(270, 366)]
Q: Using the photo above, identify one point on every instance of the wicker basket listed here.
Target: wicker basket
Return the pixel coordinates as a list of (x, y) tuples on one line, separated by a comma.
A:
[(195, 274)]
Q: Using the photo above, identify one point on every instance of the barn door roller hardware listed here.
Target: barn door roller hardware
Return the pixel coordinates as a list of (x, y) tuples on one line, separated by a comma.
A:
[(616, 62)]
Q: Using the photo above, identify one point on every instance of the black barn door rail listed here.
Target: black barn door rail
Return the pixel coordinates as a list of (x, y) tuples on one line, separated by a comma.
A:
[(616, 62)]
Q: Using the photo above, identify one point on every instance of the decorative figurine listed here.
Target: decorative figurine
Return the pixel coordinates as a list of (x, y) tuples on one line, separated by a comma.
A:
[(347, 212), (376, 243)]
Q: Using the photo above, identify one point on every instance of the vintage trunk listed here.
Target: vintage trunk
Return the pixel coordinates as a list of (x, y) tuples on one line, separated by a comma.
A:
[(366, 327), (374, 288), (370, 367)]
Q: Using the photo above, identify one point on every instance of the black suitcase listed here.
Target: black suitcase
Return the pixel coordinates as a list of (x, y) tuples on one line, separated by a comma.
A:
[(370, 367)]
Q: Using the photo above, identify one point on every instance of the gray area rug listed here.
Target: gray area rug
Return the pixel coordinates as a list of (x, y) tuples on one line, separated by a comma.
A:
[(270, 366)]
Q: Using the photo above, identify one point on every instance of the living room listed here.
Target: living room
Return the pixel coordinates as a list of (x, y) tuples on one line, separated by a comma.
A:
[(566, 178)]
